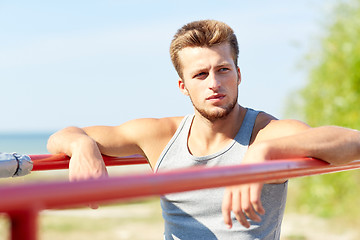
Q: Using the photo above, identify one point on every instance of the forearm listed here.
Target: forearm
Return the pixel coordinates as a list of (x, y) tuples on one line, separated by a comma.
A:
[(86, 160), (335, 145), (69, 139)]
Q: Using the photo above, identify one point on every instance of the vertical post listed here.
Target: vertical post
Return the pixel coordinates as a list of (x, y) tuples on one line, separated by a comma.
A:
[(24, 224)]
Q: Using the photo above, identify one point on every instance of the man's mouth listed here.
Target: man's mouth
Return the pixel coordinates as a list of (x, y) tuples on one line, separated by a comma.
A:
[(216, 97)]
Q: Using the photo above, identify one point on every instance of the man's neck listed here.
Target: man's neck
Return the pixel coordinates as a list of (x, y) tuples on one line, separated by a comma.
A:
[(206, 137)]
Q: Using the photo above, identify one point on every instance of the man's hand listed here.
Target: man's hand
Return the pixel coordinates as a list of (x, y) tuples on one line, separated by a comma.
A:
[(86, 160), (83, 167), (86, 165), (245, 200)]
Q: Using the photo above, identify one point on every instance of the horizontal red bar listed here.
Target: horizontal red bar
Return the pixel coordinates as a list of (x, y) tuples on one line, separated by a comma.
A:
[(65, 194), (61, 161)]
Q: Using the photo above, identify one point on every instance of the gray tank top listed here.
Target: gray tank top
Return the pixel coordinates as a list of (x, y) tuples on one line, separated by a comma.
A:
[(197, 214)]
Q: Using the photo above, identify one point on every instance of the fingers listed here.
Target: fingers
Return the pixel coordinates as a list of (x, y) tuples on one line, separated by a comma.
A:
[(255, 198), (238, 203), (244, 201), (247, 206), (226, 207)]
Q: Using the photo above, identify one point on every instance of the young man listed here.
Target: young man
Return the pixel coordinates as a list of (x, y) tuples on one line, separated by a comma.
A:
[(219, 132)]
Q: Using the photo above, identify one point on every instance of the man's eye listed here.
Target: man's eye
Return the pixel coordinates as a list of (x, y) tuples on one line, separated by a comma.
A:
[(200, 75), (224, 69)]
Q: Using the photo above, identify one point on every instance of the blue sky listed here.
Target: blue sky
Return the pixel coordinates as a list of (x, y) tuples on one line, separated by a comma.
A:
[(87, 63)]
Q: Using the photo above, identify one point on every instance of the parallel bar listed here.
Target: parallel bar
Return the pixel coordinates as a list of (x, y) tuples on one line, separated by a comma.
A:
[(24, 224), (23, 211), (44, 162), (65, 194)]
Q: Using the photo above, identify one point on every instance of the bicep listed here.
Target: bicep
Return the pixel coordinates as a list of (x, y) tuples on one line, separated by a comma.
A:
[(146, 137), (281, 128), (117, 140)]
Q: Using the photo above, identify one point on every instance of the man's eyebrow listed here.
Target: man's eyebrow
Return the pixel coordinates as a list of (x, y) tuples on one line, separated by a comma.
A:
[(205, 69), (198, 70), (224, 64)]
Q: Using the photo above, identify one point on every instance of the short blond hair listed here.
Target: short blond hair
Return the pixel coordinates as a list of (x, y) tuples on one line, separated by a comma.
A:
[(204, 33)]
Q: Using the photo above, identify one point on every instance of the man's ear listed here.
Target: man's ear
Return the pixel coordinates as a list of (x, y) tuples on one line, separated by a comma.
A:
[(182, 87), (239, 75)]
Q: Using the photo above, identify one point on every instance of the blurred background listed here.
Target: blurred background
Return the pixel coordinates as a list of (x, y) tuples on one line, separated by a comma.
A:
[(84, 63)]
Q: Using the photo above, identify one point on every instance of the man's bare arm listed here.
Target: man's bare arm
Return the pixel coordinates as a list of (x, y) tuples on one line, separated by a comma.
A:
[(332, 144), (86, 161), (245, 200), (85, 145), (335, 145)]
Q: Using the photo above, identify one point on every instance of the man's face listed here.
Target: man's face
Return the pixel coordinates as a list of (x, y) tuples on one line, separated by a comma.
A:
[(210, 79)]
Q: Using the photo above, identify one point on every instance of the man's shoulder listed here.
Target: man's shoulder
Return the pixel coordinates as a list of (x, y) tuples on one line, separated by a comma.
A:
[(160, 125), (171, 123), (264, 118), (268, 127)]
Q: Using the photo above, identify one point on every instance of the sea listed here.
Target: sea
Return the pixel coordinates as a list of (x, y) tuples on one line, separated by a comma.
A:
[(24, 143)]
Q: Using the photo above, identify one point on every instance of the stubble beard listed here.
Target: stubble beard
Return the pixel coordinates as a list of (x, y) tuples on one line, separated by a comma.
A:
[(218, 114)]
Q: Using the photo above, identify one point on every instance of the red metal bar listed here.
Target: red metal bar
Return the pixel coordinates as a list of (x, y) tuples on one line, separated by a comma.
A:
[(23, 210), (61, 161), (24, 224), (65, 194)]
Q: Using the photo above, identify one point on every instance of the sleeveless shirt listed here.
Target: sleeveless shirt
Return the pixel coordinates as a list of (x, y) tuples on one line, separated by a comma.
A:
[(197, 214)]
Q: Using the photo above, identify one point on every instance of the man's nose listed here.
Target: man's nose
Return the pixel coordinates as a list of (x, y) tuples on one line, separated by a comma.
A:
[(214, 82)]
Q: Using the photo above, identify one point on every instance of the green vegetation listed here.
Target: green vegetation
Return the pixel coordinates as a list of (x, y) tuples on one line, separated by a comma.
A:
[(332, 97)]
